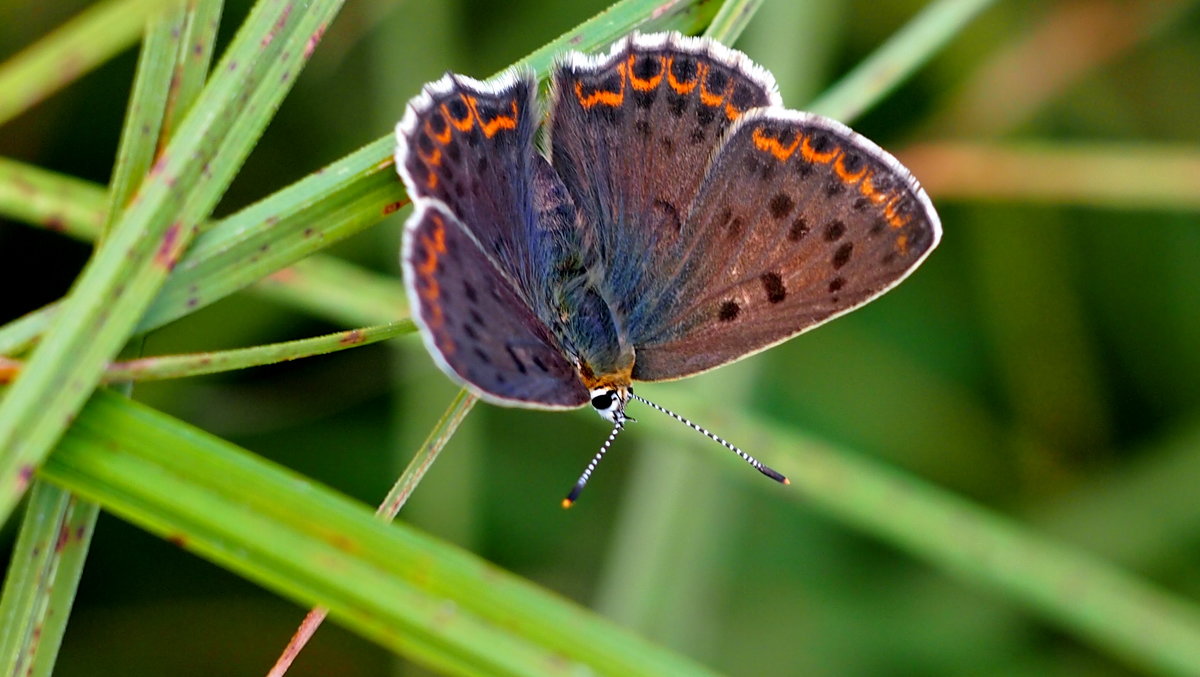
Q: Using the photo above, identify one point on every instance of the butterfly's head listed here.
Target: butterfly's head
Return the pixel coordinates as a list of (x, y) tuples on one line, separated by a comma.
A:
[(610, 401)]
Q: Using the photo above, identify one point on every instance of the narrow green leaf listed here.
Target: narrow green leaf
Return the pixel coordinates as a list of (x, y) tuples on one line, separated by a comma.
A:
[(902, 54), (194, 364), (435, 603), (89, 39), (144, 115), (197, 39), (731, 20), (162, 367), (42, 578), (54, 201)]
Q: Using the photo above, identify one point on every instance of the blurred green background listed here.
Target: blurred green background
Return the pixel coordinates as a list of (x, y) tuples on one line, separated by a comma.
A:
[(1044, 362)]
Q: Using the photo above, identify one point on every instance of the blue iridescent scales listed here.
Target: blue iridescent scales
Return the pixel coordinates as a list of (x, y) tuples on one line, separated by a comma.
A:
[(679, 219)]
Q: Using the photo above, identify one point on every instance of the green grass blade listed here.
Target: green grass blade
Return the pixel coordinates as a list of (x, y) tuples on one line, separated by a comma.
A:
[(341, 292), (42, 579), (124, 275), (731, 20), (78, 46), (288, 226), (162, 367), (433, 602), (51, 200), (902, 54), (194, 364), (197, 38), (144, 115)]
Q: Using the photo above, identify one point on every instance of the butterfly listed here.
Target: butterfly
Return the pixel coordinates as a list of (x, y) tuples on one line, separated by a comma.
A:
[(675, 218)]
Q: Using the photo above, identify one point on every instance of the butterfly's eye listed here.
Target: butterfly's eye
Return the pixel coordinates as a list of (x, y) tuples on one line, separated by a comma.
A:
[(603, 401)]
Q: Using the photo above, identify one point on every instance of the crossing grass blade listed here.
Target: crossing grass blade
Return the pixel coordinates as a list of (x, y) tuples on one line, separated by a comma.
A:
[(42, 578)]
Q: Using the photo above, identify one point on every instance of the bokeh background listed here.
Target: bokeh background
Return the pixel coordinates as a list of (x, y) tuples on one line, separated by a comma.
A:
[(1044, 362)]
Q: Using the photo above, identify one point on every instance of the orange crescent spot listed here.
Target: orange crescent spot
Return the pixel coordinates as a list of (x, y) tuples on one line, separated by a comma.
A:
[(425, 268), (439, 237), (443, 138), (902, 244), (463, 125), (643, 84), (867, 188), (706, 97), (491, 127), (680, 87), (602, 96), (840, 169), (731, 112), (434, 158), (812, 155), (895, 219), (431, 181), (771, 145)]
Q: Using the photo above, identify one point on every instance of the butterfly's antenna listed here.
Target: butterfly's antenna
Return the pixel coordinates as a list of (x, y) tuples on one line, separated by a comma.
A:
[(757, 464), (587, 472)]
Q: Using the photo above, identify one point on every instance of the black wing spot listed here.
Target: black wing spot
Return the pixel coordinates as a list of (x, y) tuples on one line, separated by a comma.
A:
[(837, 283), (729, 311), (537, 362), (483, 356), (834, 230), (683, 68), (773, 284), (842, 256), (781, 205), (516, 360), (646, 68)]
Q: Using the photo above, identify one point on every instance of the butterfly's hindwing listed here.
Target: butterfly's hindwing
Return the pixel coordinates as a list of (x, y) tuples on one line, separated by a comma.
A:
[(478, 328)]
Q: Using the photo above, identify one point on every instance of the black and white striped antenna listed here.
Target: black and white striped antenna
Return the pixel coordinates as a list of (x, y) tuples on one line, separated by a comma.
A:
[(591, 466), (620, 425)]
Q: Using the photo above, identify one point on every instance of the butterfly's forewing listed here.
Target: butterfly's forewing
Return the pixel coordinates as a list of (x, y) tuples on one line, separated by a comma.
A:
[(475, 324), (798, 220), (469, 144), (630, 133)]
